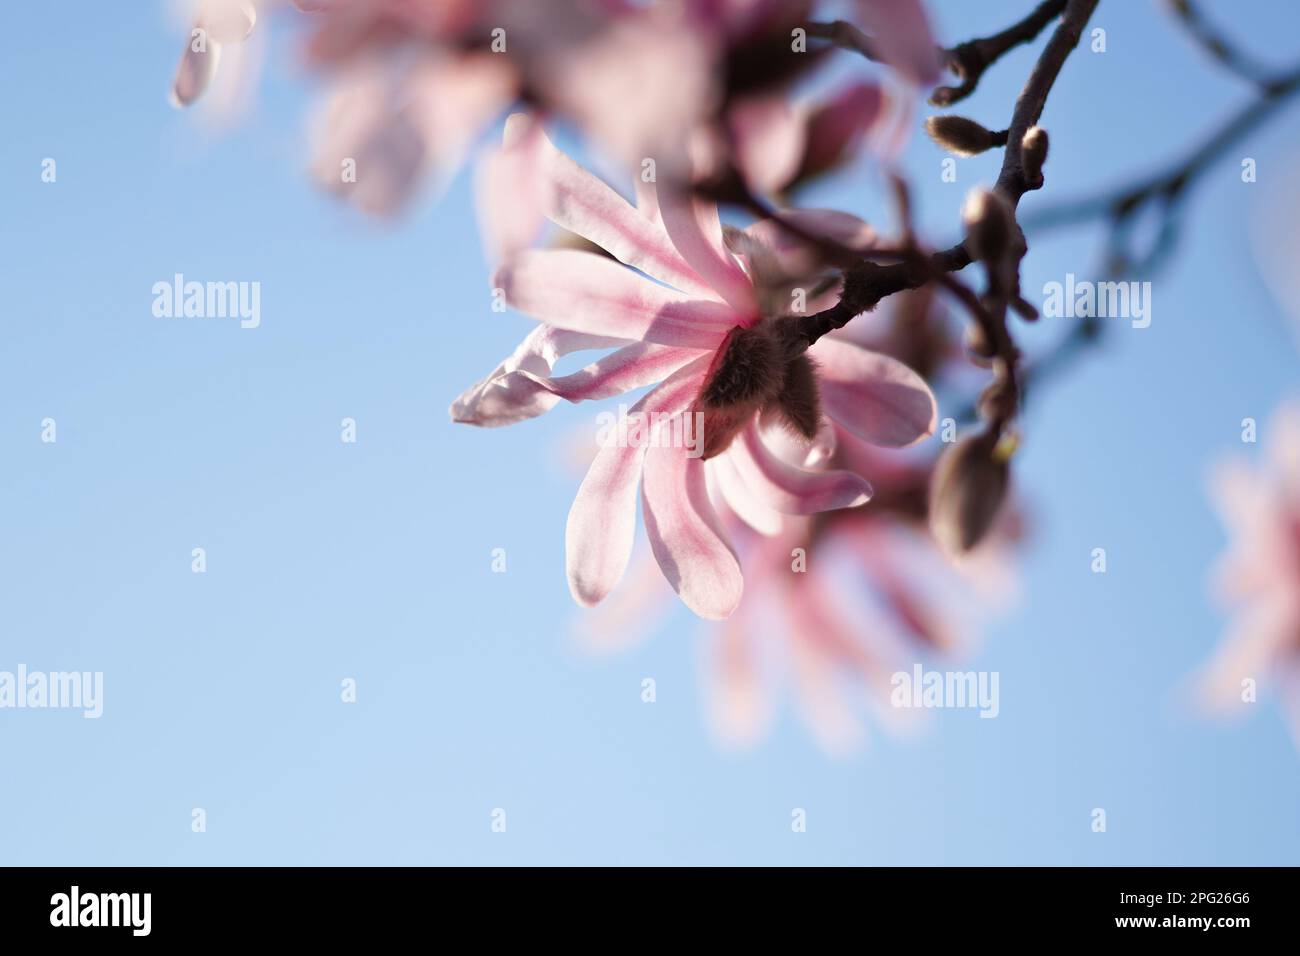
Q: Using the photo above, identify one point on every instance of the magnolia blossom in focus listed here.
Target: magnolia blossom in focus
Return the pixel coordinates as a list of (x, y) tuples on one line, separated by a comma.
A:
[(1260, 575), (703, 320)]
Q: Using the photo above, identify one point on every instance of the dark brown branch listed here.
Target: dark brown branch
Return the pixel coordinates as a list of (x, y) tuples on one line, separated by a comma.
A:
[(969, 60), (867, 283)]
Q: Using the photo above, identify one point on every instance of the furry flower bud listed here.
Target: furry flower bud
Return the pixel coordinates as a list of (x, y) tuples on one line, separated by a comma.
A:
[(967, 490), (990, 225), (1033, 153), (962, 136)]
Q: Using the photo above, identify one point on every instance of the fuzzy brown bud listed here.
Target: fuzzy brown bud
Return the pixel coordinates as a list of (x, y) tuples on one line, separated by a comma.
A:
[(1033, 154), (990, 226), (967, 490), (962, 136)]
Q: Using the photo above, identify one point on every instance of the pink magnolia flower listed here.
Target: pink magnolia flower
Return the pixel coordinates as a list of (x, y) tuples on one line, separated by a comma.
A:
[(702, 321), (1260, 575)]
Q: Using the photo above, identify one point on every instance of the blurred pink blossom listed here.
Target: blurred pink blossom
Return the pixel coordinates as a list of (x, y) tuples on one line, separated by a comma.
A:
[(1260, 574), (701, 85)]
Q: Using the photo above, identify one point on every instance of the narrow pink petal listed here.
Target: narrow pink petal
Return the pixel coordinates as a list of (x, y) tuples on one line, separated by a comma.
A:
[(522, 394), (227, 21), (194, 72), (696, 231), (838, 126), (901, 32), (685, 534), (365, 151), (451, 100), (736, 495), (1284, 447), (602, 522), (739, 704), (813, 641), (581, 203), (789, 488), (768, 138), (510, 194), (776, 255), (589, 293), (537, 353), (876, 397), (639, 86)]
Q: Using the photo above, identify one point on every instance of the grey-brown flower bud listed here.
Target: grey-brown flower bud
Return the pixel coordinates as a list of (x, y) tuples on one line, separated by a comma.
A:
[(962, 136), (967, 490), (990, 226), (1033, 154)]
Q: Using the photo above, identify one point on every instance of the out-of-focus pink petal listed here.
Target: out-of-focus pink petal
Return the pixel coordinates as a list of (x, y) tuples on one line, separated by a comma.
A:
[(876, 397), (576, 200), (740, 702), (901, 32), (688, 540), (897, 576), (630, 613), (894, 129), (837, 128), (195, 70), (364, 150), (227, 21), (776, 256), (1240, 499), (602, 522), (788, 488), (1250, 650), (696, 231), (812, 640), (589, 293), (1284, 449), (640, 86), (522, 394), (385, 130), (510, 193), (768, 137), (452, 100)]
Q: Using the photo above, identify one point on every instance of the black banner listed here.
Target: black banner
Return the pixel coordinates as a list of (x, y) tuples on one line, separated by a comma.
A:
[(367, 905)]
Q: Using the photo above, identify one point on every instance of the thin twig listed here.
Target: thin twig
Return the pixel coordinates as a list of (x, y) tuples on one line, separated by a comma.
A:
[(866, 283), (1217, 46), (967, 61)]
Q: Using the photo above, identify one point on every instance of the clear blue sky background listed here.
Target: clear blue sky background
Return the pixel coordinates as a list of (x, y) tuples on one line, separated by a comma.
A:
[(372, 560)]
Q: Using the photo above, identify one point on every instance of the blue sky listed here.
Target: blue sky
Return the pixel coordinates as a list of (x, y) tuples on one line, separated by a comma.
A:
[(373, 560)]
